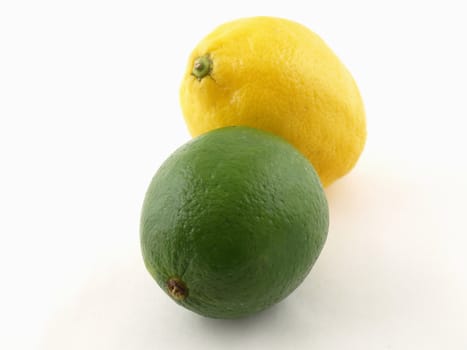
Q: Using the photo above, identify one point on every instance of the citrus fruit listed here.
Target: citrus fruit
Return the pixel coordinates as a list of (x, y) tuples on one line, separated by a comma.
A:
[(232, 222), (277, 75)]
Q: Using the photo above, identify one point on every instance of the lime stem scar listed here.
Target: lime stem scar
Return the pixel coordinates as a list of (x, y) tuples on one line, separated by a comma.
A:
[(177, 288), (202, 67)]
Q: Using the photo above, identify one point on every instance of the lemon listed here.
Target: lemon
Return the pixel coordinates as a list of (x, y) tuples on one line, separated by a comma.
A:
[(277, 75)]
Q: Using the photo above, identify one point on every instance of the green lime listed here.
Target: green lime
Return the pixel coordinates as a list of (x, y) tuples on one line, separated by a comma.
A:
[(232, 222)]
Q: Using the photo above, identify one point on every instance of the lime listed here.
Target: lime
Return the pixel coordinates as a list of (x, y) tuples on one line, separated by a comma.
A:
[(233, 222)]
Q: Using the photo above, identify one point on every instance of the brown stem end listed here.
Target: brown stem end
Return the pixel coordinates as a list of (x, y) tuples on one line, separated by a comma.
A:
[(177, 288)]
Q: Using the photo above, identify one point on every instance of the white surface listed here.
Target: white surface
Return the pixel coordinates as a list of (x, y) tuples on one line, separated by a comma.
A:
[(89, 110)]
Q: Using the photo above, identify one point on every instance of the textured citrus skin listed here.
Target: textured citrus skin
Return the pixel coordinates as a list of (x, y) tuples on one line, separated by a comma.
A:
[(277, 75), (239, 216)]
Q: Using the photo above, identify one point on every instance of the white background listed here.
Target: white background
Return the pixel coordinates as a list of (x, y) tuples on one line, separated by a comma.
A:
[(89, 110)]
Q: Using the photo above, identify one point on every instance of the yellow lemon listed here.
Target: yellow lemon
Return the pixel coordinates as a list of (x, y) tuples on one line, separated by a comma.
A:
[(277, 75)]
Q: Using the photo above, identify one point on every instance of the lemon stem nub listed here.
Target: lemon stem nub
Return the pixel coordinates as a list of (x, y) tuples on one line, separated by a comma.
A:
[(177, 288), (202, 67)]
